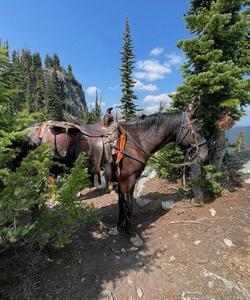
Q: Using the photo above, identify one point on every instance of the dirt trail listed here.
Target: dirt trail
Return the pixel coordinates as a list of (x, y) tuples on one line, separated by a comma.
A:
[(188, 254)]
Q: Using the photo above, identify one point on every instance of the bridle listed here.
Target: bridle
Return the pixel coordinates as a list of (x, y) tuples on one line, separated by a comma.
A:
[(185, 131), (186, 128)]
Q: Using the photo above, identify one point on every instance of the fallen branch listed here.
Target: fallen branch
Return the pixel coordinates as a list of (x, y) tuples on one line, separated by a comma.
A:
[(178, 222)]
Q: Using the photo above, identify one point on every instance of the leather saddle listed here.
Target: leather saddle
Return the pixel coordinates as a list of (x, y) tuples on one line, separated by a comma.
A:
[(96, 141)]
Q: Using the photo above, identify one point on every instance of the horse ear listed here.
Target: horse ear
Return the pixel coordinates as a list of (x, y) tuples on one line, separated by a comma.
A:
[(191, 110)]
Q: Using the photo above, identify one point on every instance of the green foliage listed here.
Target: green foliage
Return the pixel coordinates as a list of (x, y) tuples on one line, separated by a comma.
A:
[(48, 62), (57, 225), (26, 86), (218, 65), (54, 97), (211, 181), (25, 214), (22, 190), (56, 62), (168, 154), (97, 108), (93, 115), (8, 90), (128, 108)]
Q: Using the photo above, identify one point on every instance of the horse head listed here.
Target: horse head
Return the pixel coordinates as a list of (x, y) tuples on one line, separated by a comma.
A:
[(191, 138)]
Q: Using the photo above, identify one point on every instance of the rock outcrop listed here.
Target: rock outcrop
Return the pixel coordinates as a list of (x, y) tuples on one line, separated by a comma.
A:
[(74, 94)]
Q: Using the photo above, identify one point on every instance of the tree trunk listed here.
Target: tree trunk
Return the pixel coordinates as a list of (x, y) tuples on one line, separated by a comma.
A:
[(195, 175), (219, 150)]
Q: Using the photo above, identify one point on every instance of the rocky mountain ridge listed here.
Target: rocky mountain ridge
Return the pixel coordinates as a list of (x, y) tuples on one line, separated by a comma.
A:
[(74, 94)]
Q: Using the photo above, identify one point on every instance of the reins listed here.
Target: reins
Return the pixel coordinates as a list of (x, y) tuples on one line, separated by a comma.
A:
[(179, 139)]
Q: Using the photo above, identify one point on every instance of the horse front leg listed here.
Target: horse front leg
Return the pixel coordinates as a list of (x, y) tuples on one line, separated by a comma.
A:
[(121, 219), (126, 213)]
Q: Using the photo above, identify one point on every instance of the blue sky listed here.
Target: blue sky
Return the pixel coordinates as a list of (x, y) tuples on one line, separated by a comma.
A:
[(88, 35)]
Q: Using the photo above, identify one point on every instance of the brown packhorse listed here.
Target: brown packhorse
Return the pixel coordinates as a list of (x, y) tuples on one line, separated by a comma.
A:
[(143, 138)]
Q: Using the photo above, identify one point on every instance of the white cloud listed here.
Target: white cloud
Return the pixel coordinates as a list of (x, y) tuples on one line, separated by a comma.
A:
[(92, 90), (145, 87), (174, 59), (115, 87), (156, 51), (151, 109), (153, 102), (151, 70), (116, 105), (157, 98)]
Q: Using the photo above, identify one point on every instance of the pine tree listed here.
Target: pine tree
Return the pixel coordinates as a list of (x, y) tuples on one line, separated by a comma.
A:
[(39, 97), (36, 61), (26, 60), (39, 92), (69, 72), (128, 108), (218, 60), (240, 142), (97, 108), (8, 90), (54, 101), (70, 75), (48, 62), (56, 62), (29, 103)]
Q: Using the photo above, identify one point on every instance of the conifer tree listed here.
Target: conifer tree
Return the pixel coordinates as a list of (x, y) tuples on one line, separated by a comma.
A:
[(48, 62), (54, 101), (97, 108), (128, 107), (26, 60), (70, 75), (56, 62), (36, 61), (29, 103), (218, 62), (38, 83), (8, 90)]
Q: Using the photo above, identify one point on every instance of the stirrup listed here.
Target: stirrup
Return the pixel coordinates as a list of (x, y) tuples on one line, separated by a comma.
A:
[(102, 178)]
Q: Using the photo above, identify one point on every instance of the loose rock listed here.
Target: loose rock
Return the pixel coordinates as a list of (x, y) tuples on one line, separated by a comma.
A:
[(139, 293), (105, 295), (197, 243), (166, 204), (212, 212), (228, 243), (142, 201), (172, 258), (133, 249)]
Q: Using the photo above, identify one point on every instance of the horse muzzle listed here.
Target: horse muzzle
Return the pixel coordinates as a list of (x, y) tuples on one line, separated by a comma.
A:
[(203, 153)]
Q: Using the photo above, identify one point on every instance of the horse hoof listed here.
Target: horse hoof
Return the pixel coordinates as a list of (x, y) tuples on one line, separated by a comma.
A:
[(136, 241)]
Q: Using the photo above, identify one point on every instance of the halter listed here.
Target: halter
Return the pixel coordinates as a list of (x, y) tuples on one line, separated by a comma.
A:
[(187, 127)]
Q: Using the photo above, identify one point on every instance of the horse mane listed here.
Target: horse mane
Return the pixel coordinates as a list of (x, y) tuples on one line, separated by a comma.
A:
[(170, 121)]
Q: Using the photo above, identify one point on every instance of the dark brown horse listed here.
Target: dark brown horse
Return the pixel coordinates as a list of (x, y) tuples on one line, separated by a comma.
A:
[(144, 138)]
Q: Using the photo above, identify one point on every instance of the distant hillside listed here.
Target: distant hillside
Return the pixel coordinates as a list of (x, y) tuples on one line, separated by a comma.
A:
[(232, 133), (46, 87)]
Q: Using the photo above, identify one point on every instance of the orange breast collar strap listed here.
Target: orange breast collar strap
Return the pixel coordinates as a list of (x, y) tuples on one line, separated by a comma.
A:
[(120, 145), (41, 129)]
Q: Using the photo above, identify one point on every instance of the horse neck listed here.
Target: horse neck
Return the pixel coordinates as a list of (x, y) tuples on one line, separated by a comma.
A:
[(154, 132)]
